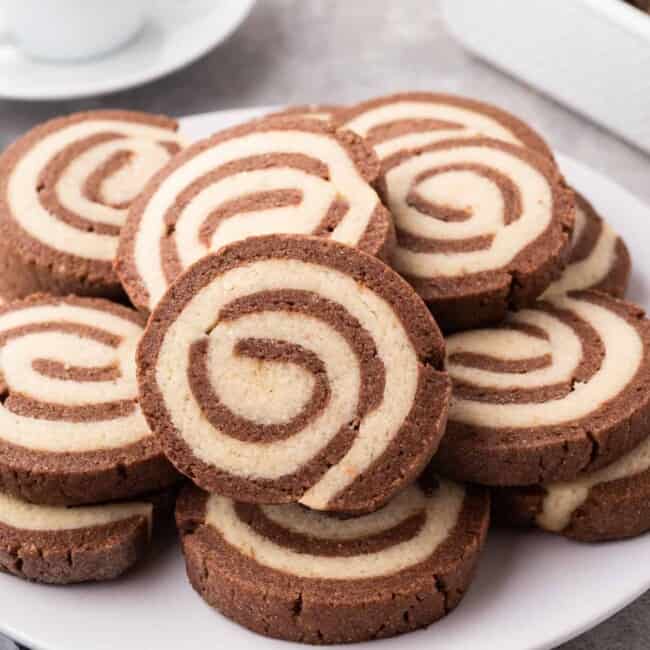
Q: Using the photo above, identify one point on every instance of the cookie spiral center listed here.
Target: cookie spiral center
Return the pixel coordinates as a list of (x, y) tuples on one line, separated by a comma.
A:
[(282, 373), (271, 388), (551, 365), (446, 229), (71, 189), (254, 183), (68, 377)]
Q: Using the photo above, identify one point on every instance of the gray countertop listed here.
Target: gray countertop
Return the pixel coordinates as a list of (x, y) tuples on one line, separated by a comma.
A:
[(297, 51)]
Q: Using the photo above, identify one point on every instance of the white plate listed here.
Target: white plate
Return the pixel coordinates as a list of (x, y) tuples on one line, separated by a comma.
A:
[(178, 33), (532, 591)]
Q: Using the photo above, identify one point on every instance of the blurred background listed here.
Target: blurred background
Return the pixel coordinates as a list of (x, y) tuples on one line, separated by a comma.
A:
[(338, 51)]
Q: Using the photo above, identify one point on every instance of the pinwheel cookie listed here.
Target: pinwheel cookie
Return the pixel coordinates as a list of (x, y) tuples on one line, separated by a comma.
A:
[(65, 188), (71, 429), (612, 503), (557, 391), (62, 545), (403, 121), (292, 368), (276, 175), (288, 572), (599, 258), (483, 223)]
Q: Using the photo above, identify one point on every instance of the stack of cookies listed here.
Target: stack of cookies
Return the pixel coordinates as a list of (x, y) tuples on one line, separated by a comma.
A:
[(550, 368), (82, 479), (297, 274)]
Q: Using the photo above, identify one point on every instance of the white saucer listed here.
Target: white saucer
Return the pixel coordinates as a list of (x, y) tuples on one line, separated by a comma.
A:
[(533, 591), (177, 34)]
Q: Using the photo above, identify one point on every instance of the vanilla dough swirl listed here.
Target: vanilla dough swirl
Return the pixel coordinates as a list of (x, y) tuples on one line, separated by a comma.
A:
[(406, 121), (294, 369), (407, 531), (67, 545), (599, 258), (316, 577), (71, 428), (555, 391), (608, 504), (276, 175), (482, 215), (65, 190)]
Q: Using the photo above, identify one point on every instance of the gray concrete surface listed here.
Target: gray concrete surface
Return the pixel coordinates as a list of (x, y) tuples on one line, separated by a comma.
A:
[(343, 50)]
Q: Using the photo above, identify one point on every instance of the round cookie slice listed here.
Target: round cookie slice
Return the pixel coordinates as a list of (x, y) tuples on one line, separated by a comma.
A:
[(275, 175), (412, 120), (482, 226), (65, 188), (612, 503), (59, 545), (482, 214), (557, 391), (71, 428), (291, 573), (599, 258), (290, 368)]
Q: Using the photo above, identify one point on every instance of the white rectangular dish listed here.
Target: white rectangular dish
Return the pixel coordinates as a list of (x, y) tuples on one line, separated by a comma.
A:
[(592, 55)]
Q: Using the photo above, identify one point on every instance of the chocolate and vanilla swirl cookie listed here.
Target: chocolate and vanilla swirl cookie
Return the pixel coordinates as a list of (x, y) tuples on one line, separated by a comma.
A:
[(292, 573), (599, 258), (556, 391), (275, 175), (291, 368), (612, 503), (65, 188), (64, 545), (483, 216), (406, 121), (71, 428), (482, 226)]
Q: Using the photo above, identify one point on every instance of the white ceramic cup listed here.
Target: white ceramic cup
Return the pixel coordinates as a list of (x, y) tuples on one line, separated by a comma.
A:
[(71, 29)]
